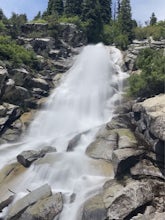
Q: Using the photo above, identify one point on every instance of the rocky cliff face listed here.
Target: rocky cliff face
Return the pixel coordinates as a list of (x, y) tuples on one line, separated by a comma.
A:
[(25, 89), (134, 143)]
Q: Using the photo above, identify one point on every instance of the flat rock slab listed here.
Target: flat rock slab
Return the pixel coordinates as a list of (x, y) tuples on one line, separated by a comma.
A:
[(20, 205), (45, 209)]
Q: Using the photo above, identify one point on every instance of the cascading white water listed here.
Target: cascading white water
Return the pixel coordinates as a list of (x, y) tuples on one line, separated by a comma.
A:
[(84, 100)]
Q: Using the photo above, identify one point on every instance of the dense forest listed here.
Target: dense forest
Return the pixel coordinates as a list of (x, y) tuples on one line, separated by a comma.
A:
[(100, 20)]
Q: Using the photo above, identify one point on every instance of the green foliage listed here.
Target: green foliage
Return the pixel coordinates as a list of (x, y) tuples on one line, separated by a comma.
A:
[(2, 28), (38, 16), (157, 31), (16, 21), (108, 34), (121, 41), (105, 10), (55, 7), (18, 55), (92, 16), (39, 21), (125, 20), (73, 7), (153, 19), (152, 79)]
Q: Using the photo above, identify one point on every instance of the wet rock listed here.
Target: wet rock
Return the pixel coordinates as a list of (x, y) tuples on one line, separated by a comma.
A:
[(26, 158), (47, 208), (11, 135), (94, 209), (73, 142), (6, 202), (102, 148), (20, 205), (126, 138)]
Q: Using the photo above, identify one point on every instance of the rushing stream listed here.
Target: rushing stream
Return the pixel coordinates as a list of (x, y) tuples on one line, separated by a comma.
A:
[(84, 100)]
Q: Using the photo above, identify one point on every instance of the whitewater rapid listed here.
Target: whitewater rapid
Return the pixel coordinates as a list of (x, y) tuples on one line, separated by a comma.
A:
[(84, 100)]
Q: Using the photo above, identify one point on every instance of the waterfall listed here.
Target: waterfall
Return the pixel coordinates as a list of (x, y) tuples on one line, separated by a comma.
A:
[(84, 100)]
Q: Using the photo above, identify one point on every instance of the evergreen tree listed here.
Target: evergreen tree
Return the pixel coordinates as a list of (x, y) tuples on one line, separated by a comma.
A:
[(55, 6), (38, 16), (153, 19), (105, 9), (92, 16), (3, 18), (73, 7), (17, 20), (125, 19)]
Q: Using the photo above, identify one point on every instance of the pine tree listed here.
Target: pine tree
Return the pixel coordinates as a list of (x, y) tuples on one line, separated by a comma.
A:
[(105, 9), (91, 14), (125, 19), (55, 6), (73, 7), (38, 16), (153, 19)]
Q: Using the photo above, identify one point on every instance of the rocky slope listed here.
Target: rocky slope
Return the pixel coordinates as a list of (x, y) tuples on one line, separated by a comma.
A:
[(133, 141), (24, 89)]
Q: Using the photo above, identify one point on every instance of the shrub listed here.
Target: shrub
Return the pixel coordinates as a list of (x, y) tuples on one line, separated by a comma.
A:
[(152, 79), (10, 51)]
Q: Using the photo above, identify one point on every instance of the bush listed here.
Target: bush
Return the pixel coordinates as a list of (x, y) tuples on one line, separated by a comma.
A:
[(108, 34), (10, 51), (121, 41), (152, 79), (157, 31)]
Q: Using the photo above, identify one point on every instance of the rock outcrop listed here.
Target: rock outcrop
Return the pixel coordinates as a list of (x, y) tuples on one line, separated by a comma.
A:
[(149, 118), (38, 204), (26, 158), (134, 49), (136, 192)]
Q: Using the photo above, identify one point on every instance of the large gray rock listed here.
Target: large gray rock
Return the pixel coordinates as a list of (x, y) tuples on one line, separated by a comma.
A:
[(26, 158), (94, 209), (36, 27), (146, 168), (102, 148), (42, 46), (134, 195), (151, 113), (71, 34), (46, 208), (20, 76), (38, 83), (149, 118), (124, 159), (16, 95), (20, 205)]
